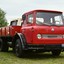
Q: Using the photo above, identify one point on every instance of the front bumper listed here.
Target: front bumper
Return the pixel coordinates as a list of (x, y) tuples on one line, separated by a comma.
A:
[(44, 47)]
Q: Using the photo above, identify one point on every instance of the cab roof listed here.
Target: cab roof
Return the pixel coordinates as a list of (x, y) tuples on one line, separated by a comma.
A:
[(53, 11)]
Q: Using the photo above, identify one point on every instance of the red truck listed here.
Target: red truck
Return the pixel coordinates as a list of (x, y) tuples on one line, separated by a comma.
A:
[(39, 30)]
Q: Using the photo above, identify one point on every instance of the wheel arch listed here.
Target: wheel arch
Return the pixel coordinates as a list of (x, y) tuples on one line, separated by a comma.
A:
[(22, 39)]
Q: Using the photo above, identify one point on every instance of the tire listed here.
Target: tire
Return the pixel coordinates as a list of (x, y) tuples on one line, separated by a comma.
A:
[(18, 48), (56, 52), (3, 46)]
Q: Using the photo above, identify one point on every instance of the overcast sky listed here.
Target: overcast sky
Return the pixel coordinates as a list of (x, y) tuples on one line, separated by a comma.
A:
[(15, 8)]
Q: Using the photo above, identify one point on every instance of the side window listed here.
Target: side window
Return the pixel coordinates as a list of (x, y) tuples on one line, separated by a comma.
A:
[(58, 20), (14, 23), (30, 19)]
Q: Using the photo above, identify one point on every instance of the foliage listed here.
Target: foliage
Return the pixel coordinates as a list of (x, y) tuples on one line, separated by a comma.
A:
[(3, 21)]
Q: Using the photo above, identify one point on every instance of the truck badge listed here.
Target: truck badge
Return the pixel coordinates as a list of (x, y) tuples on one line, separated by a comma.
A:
[(52, 29)]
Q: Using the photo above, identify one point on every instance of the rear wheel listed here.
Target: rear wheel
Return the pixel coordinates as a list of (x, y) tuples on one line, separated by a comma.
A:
[(56, 52), (3, 46), (18, 48)]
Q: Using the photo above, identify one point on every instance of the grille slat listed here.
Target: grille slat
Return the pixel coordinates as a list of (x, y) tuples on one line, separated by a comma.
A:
[(52, 36)]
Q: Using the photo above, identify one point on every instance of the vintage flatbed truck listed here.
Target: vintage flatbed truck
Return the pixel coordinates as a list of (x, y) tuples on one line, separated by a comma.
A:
[(39, 30)]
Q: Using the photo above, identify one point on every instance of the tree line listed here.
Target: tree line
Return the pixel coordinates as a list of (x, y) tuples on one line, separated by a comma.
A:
[(3, 20)]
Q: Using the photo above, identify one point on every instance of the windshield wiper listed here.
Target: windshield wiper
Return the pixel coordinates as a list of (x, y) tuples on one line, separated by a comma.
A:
[(46, 24)]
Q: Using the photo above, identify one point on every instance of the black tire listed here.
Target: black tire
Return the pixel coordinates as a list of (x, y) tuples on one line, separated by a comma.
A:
[(18, 48), (3, 46), (56, 52)]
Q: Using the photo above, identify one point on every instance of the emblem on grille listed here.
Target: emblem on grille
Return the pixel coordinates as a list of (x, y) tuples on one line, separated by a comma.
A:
[(52, 29)]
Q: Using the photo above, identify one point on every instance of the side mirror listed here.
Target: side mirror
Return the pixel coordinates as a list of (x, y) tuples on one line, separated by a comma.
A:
[(23, 17)]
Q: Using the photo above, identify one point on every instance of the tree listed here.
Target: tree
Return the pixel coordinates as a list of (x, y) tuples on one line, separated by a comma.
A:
[(3, 21)]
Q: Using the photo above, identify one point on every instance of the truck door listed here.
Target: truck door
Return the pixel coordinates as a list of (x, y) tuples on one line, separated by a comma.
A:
[(27, 29)]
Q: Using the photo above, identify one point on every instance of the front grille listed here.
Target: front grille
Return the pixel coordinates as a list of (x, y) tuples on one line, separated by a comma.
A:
[(52, 36)]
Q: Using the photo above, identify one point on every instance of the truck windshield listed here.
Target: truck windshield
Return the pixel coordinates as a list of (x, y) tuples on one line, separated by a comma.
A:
[(49, 18)]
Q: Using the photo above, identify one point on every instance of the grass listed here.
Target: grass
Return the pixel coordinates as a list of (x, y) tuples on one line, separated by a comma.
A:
[(44, 58)]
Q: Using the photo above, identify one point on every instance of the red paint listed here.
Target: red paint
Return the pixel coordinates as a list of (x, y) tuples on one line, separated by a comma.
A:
[(10, 30), (46, 30)]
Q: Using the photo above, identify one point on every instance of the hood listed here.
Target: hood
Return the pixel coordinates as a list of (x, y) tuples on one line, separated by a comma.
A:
[(50, 29)]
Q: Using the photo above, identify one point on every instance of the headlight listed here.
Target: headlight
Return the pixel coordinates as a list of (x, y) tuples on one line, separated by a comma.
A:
[(39, 36), (63, 36)]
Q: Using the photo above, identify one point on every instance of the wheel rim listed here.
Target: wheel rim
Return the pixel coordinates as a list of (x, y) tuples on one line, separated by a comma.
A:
[(17, 49)]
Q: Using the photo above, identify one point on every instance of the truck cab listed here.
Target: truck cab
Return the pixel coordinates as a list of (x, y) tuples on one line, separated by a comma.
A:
[(16, 22), (43, 27)]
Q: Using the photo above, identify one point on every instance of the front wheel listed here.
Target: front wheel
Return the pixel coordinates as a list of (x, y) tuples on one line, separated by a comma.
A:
[(18, 48), (56, 52)]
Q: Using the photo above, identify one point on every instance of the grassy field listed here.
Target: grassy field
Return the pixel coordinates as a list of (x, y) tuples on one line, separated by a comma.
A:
[(44, 58)]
